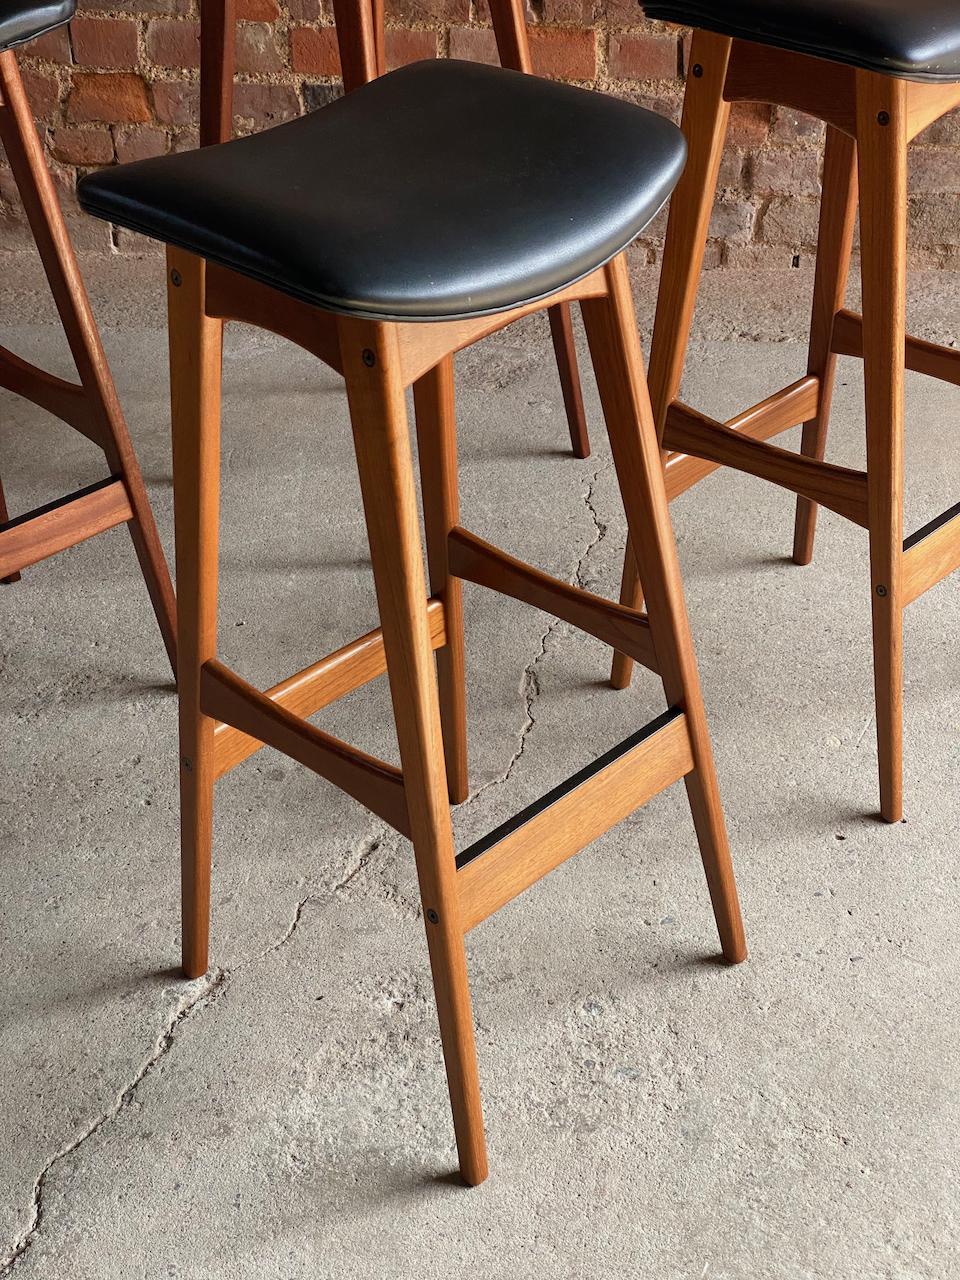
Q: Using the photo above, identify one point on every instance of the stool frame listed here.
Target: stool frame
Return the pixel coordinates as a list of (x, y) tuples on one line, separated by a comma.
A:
[(870, 120), (91, 406), (223, 719)]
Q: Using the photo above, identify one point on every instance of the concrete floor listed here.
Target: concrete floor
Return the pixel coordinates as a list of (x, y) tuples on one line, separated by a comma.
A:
[(650, 1113)]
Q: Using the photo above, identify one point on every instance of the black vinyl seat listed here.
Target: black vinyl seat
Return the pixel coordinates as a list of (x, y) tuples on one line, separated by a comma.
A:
[(912, 39), (21, 21), (444, 189)]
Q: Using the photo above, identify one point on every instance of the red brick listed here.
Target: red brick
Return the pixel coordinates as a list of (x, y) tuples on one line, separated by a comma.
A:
[(474, 44), (114, 97), (564, 53), (305, 10), (258, 10), (409, 12), (644, 57), (173, 44), (749, 124), (52, 47), (140, 142), (82, 146), (145, 6), (579, 13), (176, 101), (257, 52), (43, 94), (105, 42), (314, 52), (263, 105), (403, 47)]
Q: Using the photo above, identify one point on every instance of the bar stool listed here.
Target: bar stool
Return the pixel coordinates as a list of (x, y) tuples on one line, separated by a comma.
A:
[(877, 72), (91, 406), (383, 233)]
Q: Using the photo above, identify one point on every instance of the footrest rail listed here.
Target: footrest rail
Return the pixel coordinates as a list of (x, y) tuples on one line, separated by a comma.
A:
[(522, 850), (931, 553), (36, 535)]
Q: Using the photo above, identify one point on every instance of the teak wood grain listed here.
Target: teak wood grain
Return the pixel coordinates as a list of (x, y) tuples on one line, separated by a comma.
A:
[(92, 407), (42, 533), (574, 821)]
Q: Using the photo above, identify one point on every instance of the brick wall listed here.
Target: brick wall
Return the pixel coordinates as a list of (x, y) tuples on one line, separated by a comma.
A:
[(121, 84)]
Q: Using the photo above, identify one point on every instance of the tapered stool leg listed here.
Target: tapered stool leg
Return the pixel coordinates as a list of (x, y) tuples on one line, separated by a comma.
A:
[(4, 517), (433, 397), (25, 155), (565, 351), (618, 364), (838, 215), (371, 367), (195, 352), (882, 152), (705, 118)]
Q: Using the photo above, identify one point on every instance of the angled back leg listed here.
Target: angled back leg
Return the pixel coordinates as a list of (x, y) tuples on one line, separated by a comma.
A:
[(375, 389), (618, 364), (705, 117), (838, 215), (18, 135)]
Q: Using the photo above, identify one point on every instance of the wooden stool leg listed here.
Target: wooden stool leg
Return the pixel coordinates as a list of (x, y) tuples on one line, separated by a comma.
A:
[(561, 330), (4, 517), (838, 215), (618, 363), (705, 117), (433, 397), (195, 351), (882, 151), (25, 154), (371, 366)]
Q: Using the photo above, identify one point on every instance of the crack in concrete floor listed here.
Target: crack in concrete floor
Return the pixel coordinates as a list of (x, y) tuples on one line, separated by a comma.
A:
[(208, 989)]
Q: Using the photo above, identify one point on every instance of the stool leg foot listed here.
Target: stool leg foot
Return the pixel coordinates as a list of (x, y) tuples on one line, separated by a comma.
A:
[(561, 330), (618, 362), (433, 397), (882, 159), (371, 366), (195, 351), (705, 117), (4, 517), (838, 213)]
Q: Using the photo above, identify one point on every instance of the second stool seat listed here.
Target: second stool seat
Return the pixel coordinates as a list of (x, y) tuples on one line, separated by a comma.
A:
[(916, 41), (23, 20), (372, 206)]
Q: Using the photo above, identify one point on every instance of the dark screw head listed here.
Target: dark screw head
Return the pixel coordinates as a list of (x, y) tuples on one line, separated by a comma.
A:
[(433, 917), (883, 117), (176, 279), (187, 764), (368, 358), (881, 590), (697, 70)]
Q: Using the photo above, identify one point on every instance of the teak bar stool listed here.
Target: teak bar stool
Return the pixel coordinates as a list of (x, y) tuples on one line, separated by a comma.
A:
[(360, 35), (91, 406), (878, 72), (383, 233)]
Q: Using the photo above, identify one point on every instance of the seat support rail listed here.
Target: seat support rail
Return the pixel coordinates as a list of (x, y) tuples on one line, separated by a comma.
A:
[(379, 786), (929, 358), (839, 488), (478, 561), (522, 850)]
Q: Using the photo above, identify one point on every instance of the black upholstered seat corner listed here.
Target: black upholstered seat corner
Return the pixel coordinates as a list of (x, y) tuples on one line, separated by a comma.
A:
[(21, 20), (912, 39), (444, 189)]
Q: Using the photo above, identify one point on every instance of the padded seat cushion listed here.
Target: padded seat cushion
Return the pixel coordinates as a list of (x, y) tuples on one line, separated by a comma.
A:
[(913, 39), (440, 190), (20, 22)]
